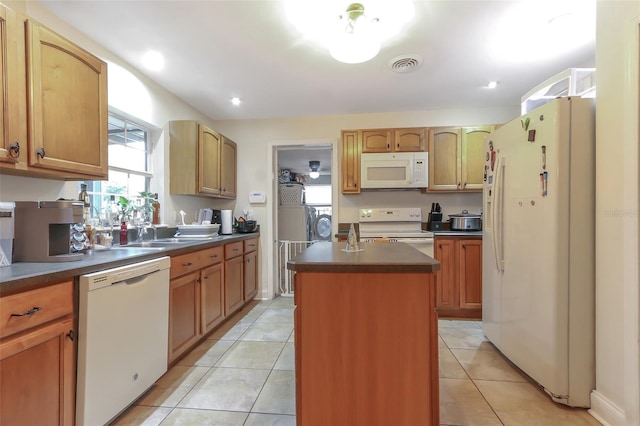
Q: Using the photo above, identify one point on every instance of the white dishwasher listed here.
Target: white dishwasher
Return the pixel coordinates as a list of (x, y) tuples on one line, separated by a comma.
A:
[(123, 334)]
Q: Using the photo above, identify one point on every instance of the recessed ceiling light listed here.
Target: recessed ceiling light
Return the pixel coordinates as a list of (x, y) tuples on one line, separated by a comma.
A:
[(235, 101), (492, 85), (153, 60)]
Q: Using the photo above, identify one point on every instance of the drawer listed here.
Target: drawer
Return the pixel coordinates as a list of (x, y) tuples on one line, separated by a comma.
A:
[(186, 263), (250, 245), (212, 255), (36, 306), (233, 250)]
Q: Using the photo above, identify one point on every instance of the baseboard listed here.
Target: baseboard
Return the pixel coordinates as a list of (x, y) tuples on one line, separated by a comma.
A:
[(605, 411)]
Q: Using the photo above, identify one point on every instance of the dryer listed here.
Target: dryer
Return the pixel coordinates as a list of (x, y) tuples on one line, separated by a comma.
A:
[(321, 228)]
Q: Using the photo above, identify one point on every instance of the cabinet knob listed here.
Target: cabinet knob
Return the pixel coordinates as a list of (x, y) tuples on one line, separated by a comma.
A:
[(14, 150), (27, 313), (465, 185), (40, 152)]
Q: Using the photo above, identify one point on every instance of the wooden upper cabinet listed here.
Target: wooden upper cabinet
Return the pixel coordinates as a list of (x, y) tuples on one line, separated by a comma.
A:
[(411, 139), (455, 158), (68, 105), (472, 162), (444, 158), (202, 162), (350, 162), (208, 153), (228, 168), (394, 140), (13, 89), (377, 140)]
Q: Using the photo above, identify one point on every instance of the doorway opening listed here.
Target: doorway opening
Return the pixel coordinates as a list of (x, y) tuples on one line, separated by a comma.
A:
[(304, 203)]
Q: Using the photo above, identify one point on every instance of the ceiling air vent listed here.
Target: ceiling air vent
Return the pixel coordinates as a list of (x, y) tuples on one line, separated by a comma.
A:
[(405, 63)]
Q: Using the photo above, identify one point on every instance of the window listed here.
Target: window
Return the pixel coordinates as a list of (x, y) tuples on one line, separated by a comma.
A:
[(318, 196), (129, 164)]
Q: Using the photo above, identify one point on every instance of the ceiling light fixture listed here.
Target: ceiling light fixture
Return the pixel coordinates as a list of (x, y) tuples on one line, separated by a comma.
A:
[(314, 166), (352, 31), (492, 85), (236, 101)]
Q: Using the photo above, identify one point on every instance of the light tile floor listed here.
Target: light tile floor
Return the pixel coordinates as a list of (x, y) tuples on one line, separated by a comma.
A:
[(243, 374)]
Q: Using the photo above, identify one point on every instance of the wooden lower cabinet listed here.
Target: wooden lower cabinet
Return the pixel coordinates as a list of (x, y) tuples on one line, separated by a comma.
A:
[(206, 287), (459, 281), (212, 292), (250, 269), (370, 356), (233, 284), (37, 359), (184, 314)]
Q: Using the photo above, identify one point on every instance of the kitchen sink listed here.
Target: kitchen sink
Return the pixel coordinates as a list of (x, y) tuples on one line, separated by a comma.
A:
[(134, 247)]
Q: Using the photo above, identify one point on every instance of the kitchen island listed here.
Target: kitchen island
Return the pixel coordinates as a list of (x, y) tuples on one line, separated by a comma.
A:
[(366, 336)]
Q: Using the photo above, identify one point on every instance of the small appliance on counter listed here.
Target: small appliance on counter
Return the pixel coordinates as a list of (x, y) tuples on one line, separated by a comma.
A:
[(465, 221), (43, 230), (434, 222)]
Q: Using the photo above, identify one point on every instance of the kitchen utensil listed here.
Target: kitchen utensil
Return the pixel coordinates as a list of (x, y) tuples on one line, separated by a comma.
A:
[(465, 221)]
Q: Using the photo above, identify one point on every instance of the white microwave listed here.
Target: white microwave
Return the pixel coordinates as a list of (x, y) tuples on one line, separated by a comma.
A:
[(394, 170)]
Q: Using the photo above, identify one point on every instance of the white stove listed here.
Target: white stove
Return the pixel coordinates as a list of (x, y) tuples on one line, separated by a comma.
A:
[(395, 225)]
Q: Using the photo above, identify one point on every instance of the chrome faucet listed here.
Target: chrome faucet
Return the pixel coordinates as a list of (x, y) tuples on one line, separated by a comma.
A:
[(143, 229)]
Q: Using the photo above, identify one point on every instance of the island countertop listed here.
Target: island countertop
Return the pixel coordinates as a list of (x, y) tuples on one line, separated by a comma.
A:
[(375, 258)]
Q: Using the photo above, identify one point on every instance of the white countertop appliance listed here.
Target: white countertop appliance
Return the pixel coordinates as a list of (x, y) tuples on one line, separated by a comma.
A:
[(123, 335), (395, 225), (538, 301)]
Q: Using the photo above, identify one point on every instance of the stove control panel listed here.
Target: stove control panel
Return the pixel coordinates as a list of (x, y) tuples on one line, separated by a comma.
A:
[(401, 214)]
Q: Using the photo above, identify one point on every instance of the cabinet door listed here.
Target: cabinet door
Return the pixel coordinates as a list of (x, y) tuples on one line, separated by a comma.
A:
[(470, 273), (68, 105), (209, 146), (411, 140), (212, 296), (444, 252), (472, 151), (233, 284), (350, 162), (37, 376), (377, 140), (229, 158), (250, 275), (13, 112), (184, 314), (444, 158)]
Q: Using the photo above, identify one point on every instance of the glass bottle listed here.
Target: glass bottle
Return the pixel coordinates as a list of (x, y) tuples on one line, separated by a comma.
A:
[(124, 235), (84, 197), (156, 210)]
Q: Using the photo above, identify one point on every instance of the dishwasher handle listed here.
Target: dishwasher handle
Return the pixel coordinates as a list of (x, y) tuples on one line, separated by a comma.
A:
[(137, 279)]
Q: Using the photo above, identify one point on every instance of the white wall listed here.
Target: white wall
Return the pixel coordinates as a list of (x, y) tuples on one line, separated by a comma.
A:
[(616, 400)]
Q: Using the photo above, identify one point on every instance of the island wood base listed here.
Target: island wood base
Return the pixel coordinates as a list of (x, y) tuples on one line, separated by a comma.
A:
[(366, 349)]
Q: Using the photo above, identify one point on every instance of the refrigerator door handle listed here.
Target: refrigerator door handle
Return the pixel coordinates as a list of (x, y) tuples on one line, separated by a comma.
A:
[(498, 213)]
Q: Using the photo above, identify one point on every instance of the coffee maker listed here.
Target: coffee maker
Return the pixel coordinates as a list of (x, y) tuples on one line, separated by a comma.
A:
[(43, 230)]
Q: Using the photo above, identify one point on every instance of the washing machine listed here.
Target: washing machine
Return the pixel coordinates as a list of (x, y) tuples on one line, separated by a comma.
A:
[(321, 227)]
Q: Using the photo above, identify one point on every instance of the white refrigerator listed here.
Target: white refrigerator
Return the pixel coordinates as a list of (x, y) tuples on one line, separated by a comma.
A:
[(539, 246)]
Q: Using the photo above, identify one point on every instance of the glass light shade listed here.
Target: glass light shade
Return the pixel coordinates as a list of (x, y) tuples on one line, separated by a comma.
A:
[(354, 48), (320, 21), (314, 175)]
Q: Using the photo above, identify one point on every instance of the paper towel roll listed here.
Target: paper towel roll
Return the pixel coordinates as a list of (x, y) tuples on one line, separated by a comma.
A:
[(226, 217)]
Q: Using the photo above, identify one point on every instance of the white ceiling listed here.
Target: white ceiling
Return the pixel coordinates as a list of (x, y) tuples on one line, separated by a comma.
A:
[(216, 49)]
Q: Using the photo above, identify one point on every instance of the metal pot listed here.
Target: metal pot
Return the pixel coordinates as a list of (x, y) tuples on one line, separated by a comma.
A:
[(465, 221)]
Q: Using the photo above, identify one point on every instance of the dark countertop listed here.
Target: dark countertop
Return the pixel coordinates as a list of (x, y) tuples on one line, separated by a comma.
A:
[(450, 233), (20, 276), (376, 258)]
